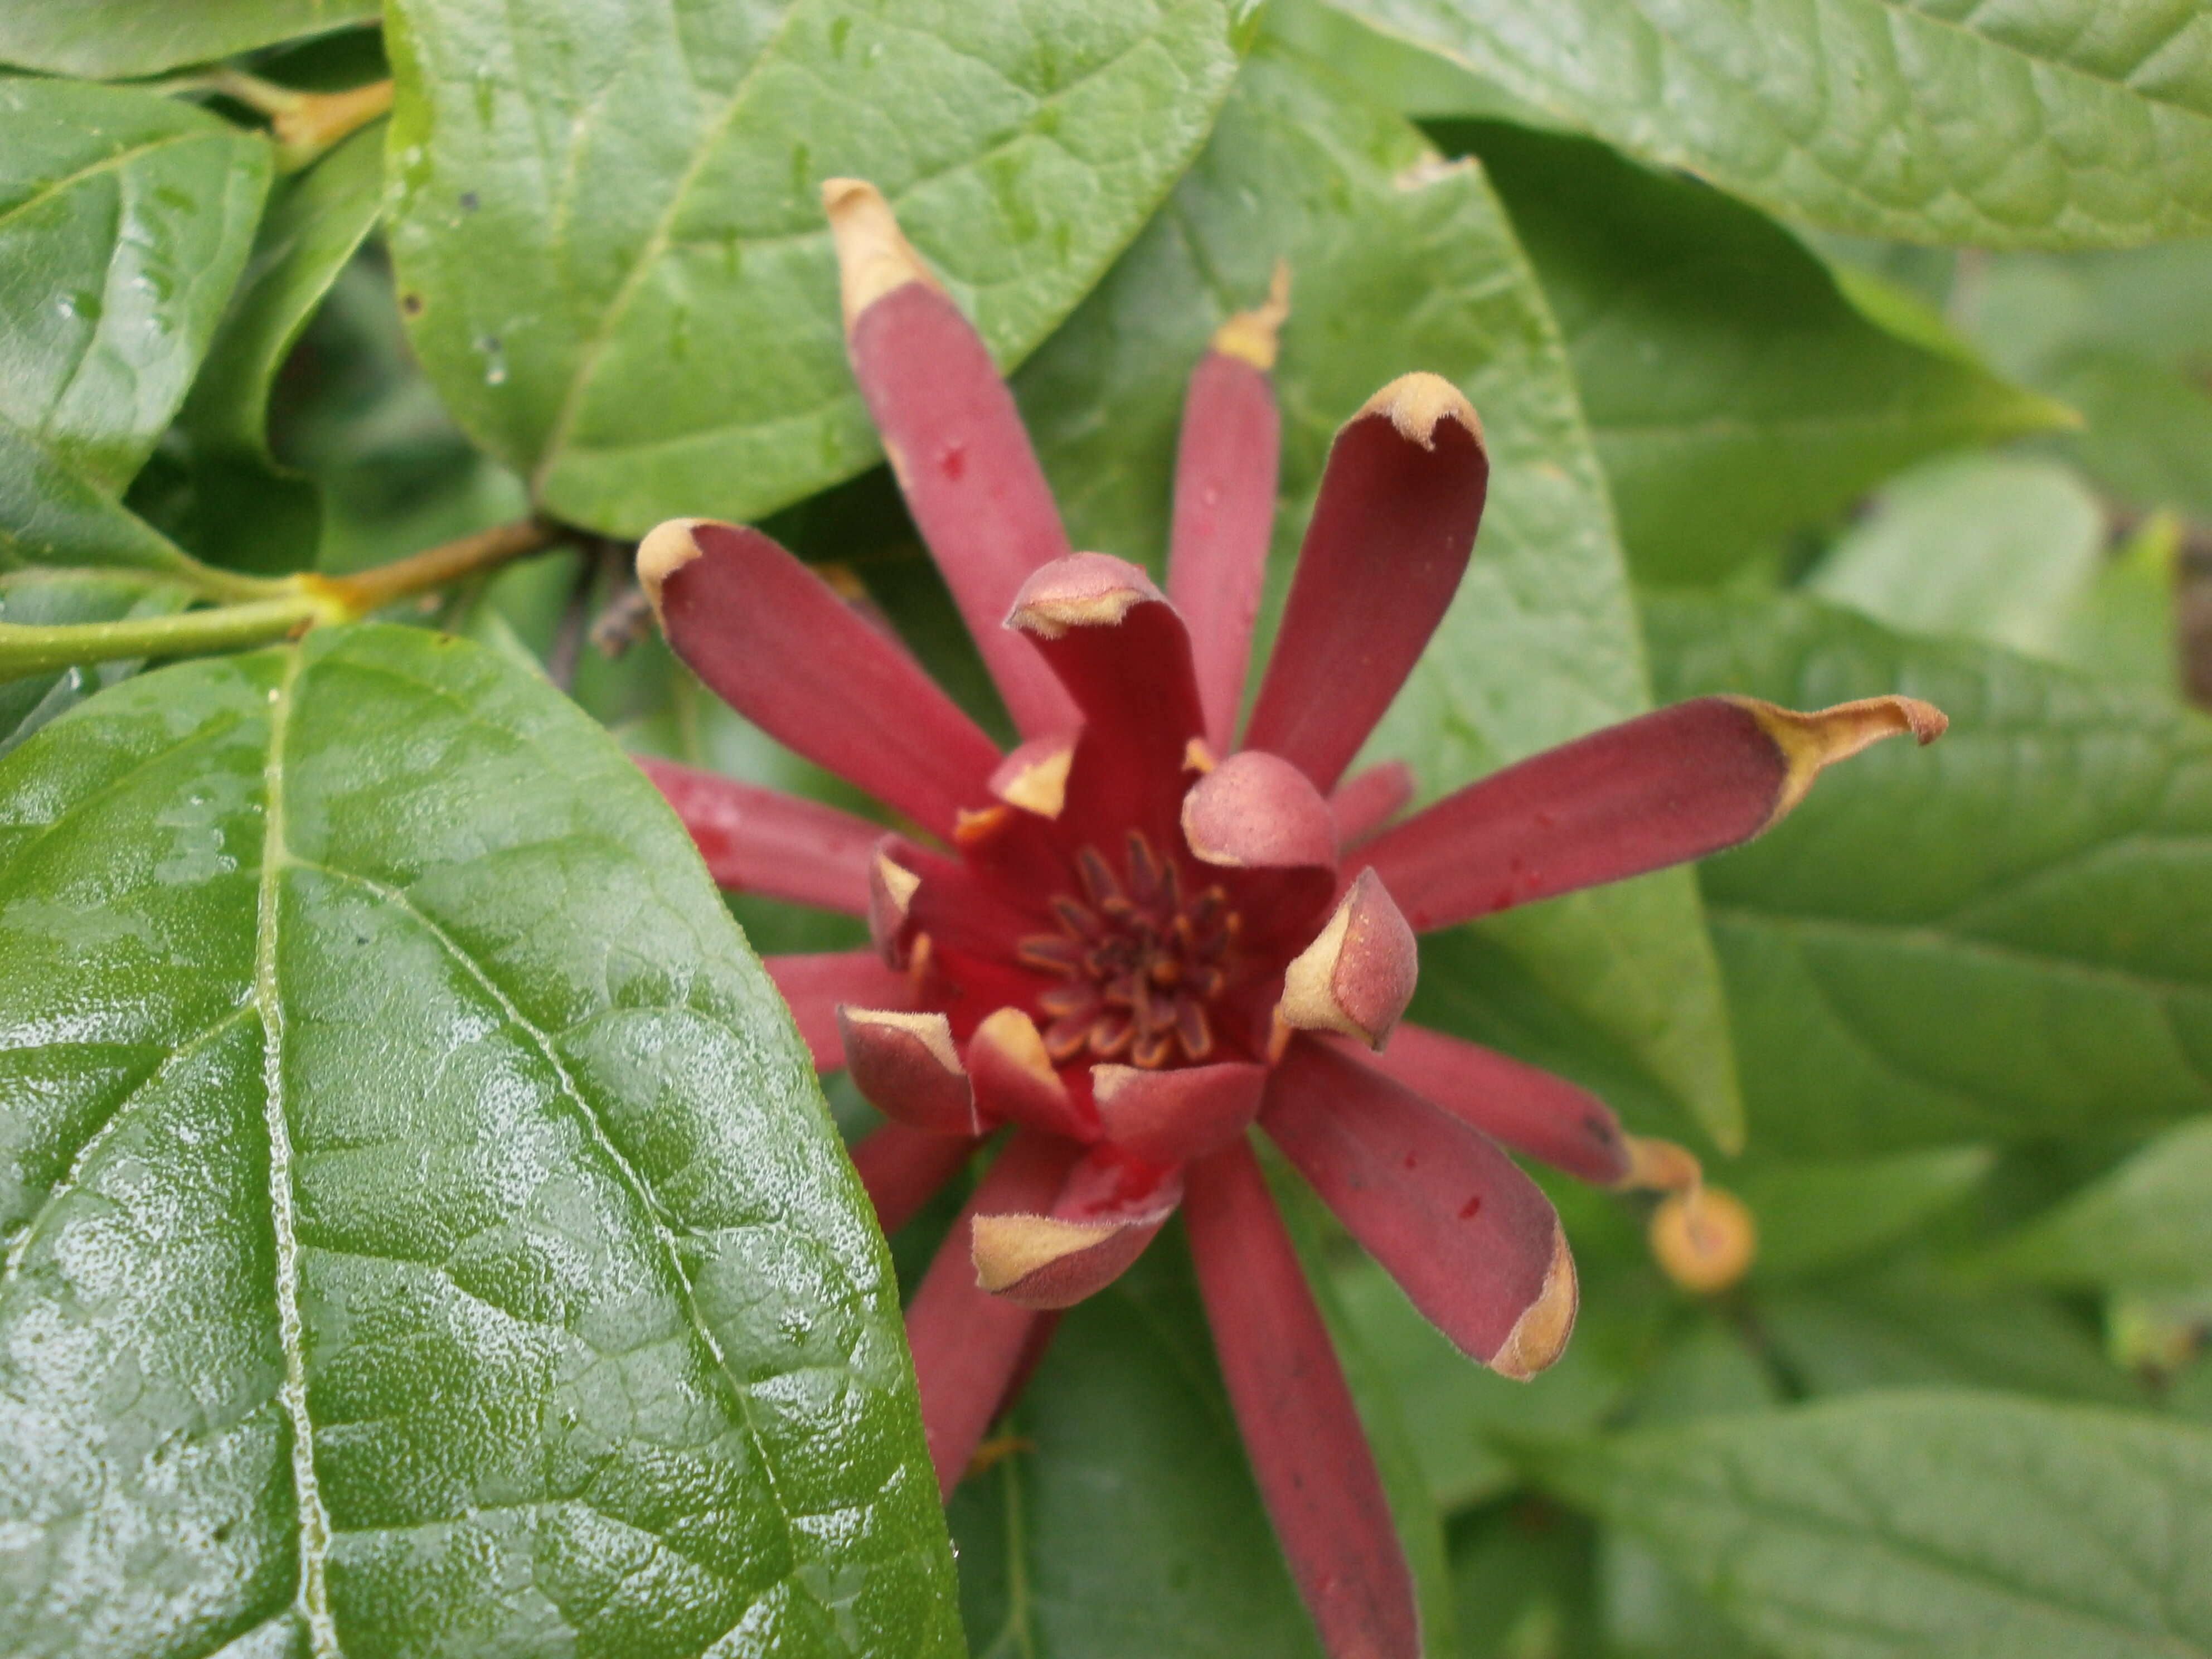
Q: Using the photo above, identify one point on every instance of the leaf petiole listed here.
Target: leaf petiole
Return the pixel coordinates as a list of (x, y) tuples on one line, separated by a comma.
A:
[(27, 648)]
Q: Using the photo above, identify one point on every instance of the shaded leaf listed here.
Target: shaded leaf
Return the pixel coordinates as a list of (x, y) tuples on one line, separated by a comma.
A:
[(46, 597), (125, 217), (645, 319), (1126, 1522), (1400, 263), (114, 39), (1734, 392), (50, 515), (424, 1231), (2007, 934), (1815, 1214), (2072, 124), (2000, 548), (1926, 1525), (2147, 1224)]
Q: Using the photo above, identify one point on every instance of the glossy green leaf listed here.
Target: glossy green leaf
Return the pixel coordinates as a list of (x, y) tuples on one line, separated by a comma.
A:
[(1399, 262), (1734, 392), (1815, 1213), (2007, 934), (47, 597), (2147, 1225), (316, 221), (114, 40), (125, 217), (50, 515), (1927, 1526), (2000, 548), (2072, 124), (424, 1232), (649, 323), (1125, 1521)]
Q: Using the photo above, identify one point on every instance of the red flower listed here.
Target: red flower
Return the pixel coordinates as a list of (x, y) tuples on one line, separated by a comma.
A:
[(1131, 938)]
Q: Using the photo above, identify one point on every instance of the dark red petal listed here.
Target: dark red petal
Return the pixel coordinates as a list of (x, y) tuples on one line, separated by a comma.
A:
[(1310, 1454), (1468, 1236), (1224, 504), (1109, 1208), (954, 438), (1257, 810), (761, 840), (1015, 1082), (1369, 799), (901, 1167), (966, 1342), (904, 1065), (1358, 975), (1530, 1111), (1666, 787), (771, 639), (1121, 650), (814, 986), (1172, 1116), (1383, 554)]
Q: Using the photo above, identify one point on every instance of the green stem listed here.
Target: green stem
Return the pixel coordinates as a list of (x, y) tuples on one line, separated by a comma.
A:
[(28, 649)]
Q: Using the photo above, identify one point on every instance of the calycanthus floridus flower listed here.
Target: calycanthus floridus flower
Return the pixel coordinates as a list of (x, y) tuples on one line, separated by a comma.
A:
[(1136, 936)]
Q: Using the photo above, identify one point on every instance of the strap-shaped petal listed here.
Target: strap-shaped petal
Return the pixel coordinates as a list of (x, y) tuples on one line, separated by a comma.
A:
[(1109, 1208), (1226, 458), (1669, 785), (1187, 1111), (900, 1168), (771, 639), (814, 985), (1309, 1453), (1468, 1237), (763, 841), (1528, 1109), (1367, 800), (1389, 538), (968, 1344), (954, 438)]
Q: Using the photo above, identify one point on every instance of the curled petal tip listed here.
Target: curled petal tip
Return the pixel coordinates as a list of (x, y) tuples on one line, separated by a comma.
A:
[(873, 256), (1540, 1334), (1810, 742), (1658, 1166), (1358, 975), (1252, 335), (891, 888), (1257, 810), (1034, 775), (1013, 1077), (666, 549), (1047, 1262), (1084, 590), (1704, 1238), (1169, 1117), (1416, 403), (905, 1066)]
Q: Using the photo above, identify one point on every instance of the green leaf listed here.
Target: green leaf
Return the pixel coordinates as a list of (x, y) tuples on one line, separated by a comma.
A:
[(1815, 1213), (1911, 1329), (1399, 263), (125, 218), (316, 221), (2000, 548), (115, 39), (1126, 1522), (1734, 392), (1914, 1526), (1523, 1575), (2147, 1225), (648, 325), (50, 515), (52, 598), (424, 1231), (2007, 934), (2071, 124)]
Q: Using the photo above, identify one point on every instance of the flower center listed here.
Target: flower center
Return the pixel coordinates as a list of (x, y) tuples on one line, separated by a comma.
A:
[(1140, 962)]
